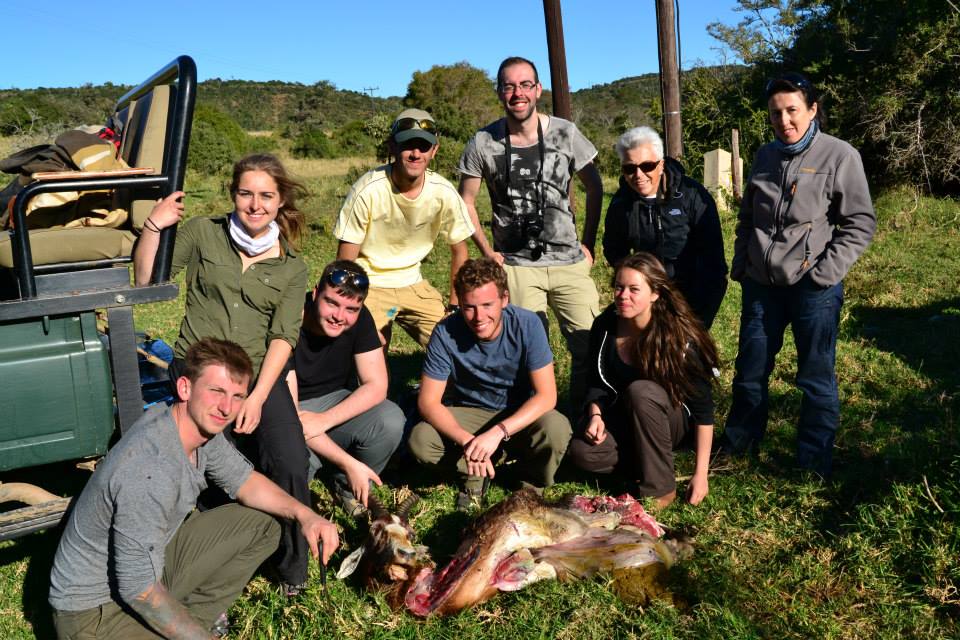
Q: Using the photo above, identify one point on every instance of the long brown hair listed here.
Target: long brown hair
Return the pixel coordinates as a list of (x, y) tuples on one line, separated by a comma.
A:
[(290, 219), (660, 351)]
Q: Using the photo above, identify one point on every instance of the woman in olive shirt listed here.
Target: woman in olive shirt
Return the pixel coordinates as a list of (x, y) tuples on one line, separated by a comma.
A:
[(245, 282)]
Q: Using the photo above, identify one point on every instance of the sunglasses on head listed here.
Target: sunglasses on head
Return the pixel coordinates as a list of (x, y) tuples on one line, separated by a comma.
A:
[(339, 277), (647, 167), (412, 123), (790, 79)]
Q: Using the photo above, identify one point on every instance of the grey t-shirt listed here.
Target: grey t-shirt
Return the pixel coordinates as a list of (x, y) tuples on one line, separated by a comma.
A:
[(491, 374), (566, 151), (114, 542)]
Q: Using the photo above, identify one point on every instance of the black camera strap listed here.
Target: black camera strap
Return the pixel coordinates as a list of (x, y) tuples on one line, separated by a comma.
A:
[(508, 152)]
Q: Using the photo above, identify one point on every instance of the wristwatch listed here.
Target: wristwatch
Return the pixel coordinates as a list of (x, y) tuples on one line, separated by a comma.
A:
[(453, 308)]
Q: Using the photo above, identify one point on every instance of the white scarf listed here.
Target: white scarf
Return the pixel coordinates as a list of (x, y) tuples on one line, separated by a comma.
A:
[(252, 246)]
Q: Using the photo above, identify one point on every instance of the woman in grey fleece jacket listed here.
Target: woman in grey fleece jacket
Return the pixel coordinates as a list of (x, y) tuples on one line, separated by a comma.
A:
[(806, 217)]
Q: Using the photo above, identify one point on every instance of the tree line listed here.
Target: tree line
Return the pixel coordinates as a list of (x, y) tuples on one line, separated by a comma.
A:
[(887, 70)]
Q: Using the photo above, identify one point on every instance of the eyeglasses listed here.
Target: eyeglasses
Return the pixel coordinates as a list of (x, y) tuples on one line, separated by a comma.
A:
[(404, 124), (629, 168), (339, 277), (526, 86), (789, 79)]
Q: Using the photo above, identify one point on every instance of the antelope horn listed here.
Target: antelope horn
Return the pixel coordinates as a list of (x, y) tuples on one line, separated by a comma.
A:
[(377, 510), (404, 509)]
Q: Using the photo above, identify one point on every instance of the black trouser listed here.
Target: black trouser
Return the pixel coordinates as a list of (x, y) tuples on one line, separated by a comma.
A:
[(278, 450), (643, 429)]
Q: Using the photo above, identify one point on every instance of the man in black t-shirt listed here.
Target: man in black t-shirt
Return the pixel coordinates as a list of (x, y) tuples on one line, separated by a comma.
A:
[(338, 373)]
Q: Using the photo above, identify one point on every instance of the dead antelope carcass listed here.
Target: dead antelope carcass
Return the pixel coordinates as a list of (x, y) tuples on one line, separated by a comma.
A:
[(520, 541), (389, 557)]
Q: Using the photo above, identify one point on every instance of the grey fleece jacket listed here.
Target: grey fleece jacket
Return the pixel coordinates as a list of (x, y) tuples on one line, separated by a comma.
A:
[(808, 213)]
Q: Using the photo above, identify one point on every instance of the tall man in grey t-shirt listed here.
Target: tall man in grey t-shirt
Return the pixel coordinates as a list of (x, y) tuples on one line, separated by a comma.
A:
[(127, 548), (488, 384), (527, 160)]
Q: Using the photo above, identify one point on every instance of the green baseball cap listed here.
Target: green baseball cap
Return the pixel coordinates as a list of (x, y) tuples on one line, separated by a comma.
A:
[(414, 123)]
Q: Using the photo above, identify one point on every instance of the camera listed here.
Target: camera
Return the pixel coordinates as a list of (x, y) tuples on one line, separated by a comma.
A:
[(531, 232)]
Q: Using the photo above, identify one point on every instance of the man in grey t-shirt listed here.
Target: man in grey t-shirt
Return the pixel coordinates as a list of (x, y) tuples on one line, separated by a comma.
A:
[(133, 544), (527, 160)]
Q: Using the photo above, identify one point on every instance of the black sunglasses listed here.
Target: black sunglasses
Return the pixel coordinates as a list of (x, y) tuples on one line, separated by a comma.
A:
[(412, 123), (419, 144), (339, 277), (629, 168), (789, 79)]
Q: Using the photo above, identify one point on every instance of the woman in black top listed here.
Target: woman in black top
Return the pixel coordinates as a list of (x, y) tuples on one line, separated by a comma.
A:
[(650, 384)]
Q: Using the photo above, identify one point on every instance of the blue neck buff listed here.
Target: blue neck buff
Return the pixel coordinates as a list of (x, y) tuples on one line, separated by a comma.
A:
[(801, 144)]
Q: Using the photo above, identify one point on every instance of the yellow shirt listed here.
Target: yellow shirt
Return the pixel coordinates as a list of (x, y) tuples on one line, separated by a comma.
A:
[(395, 233)]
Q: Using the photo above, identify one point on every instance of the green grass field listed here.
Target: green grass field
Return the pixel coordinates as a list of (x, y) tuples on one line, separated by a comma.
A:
[(871, 554)]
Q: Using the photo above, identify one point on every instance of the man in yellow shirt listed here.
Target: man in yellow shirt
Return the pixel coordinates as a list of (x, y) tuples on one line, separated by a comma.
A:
[(390, 221)]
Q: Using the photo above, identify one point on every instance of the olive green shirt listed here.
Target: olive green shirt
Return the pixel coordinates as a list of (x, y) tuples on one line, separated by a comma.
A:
[(249, 307)]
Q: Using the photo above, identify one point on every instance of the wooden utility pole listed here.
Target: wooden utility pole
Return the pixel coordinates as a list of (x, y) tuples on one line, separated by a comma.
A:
[(669, 78), (558, 59), (559, 84), (735, 177)]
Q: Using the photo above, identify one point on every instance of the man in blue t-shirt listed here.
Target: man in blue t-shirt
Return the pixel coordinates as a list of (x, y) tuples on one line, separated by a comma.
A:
[(488, 380)]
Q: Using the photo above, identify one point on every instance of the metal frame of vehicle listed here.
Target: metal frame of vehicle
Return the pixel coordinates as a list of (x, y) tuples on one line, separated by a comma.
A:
[(70, 290)]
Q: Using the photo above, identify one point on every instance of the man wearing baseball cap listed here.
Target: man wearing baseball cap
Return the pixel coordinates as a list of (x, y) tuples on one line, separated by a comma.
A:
[(390, 221)]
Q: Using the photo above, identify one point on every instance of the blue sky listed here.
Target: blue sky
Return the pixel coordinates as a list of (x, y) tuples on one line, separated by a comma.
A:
[(372, 46)]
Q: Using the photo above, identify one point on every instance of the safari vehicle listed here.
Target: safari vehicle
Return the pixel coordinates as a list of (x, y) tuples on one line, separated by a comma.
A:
[(64, 392)]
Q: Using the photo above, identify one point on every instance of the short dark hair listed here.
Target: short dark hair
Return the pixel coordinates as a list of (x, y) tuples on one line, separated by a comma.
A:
[(477, 272), (348, 287), (509, 62), (213, 351), (792, 82)]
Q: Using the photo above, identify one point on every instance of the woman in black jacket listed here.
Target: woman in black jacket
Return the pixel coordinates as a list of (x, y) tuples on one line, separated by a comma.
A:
[(649, 386), (660, 210)]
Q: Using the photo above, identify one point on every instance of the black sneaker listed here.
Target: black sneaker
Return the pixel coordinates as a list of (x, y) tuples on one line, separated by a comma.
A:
[(292, 590)]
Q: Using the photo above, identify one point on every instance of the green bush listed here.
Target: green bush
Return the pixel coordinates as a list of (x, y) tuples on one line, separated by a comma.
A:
[(263, 144), (313, 143), (447, 158), (352, 139), (25, 113), (210, 153), (216, 142)]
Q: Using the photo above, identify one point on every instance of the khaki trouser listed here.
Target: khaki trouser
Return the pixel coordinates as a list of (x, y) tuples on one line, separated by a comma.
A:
[(540, 446), (206, 566), (571, 293), (417, 308)]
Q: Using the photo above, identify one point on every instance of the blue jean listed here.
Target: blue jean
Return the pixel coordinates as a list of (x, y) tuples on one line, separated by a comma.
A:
[(814, 315)]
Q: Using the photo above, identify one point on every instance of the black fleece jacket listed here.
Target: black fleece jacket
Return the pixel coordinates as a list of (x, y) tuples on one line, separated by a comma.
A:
[(682, 229)]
